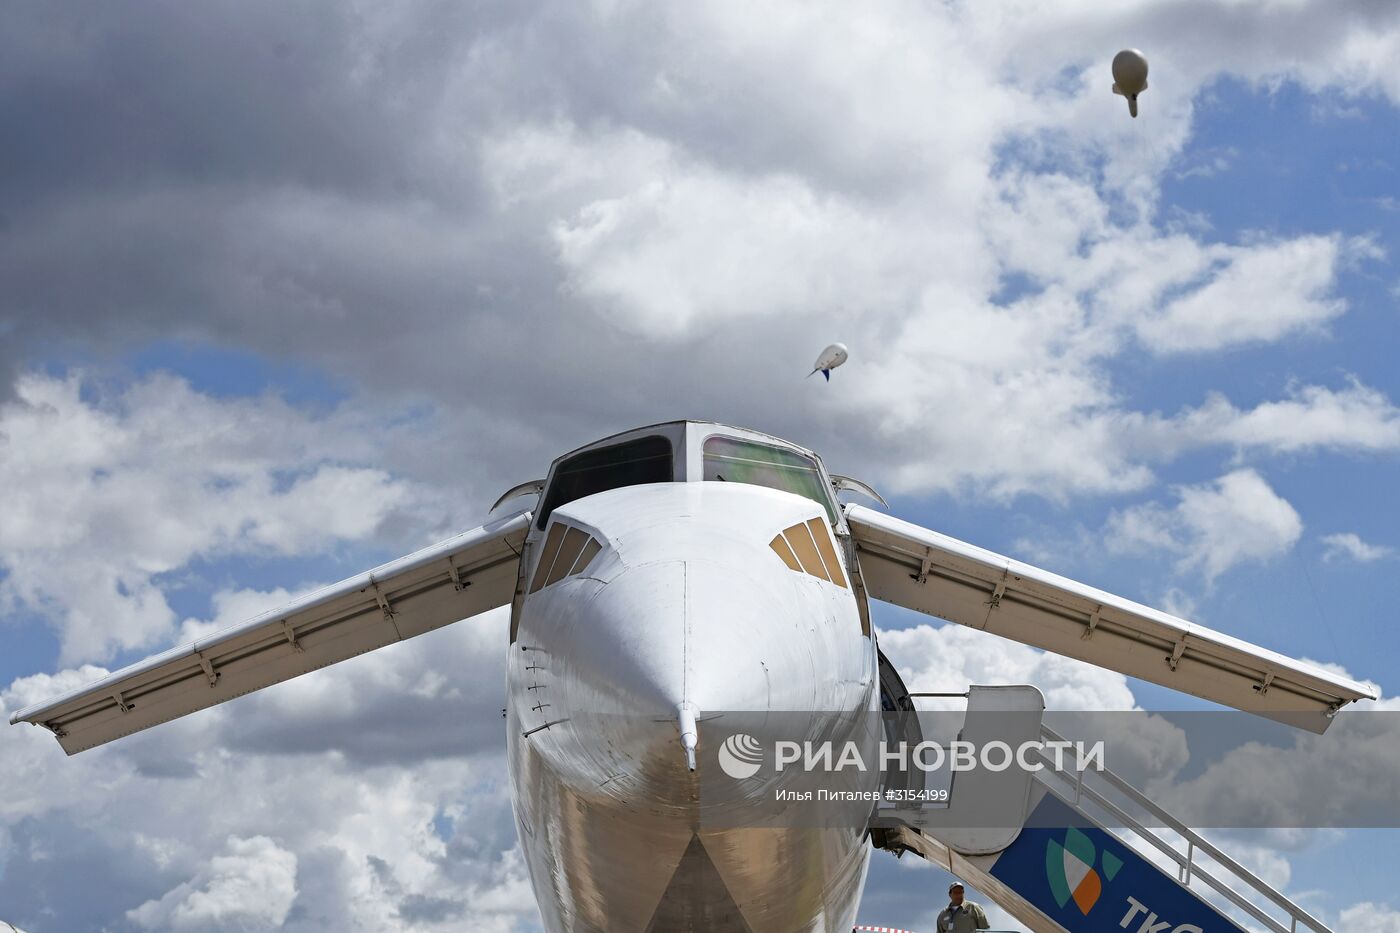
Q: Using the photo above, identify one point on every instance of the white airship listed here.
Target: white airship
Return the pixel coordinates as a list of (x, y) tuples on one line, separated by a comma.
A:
[(665, 574), (1130, 76), (830, 358)]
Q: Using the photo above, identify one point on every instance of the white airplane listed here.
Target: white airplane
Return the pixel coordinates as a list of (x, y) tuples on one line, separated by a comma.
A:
[(665, 572)]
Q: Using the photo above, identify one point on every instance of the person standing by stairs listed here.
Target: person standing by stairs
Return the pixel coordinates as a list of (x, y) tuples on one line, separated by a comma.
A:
[(961, 916)]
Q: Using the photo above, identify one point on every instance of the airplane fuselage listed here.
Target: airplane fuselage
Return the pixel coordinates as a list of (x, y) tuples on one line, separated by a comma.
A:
[(686, 602)]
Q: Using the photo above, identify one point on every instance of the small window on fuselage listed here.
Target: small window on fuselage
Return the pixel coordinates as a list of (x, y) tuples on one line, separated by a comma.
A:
[(631, 463), (731, 460)]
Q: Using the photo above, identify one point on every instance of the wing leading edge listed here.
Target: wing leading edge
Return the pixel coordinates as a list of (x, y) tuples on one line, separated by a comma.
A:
[(441, 584), (919, 569)]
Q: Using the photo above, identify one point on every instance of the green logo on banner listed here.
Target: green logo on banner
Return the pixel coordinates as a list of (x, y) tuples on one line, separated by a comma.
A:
[(1069, 867)]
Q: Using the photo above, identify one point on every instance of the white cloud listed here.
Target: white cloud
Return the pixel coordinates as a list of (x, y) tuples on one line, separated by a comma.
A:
[(1371, 917), (1310, 418), (1180, 604), (1210, 164), (896, 238), (1291, 781), (133, 484), (1267, 783), (1341, 671), (1263, 293), (683, 252), (1348, 545), (234, 606), (697, 192), (248, 888), (949, 657), (1342, 47), (1214, 526), (306, 807), (26, 691)]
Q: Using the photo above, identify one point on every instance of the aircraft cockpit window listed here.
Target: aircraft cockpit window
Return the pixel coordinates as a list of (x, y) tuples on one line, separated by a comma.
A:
[(730, 460), (631, 463)]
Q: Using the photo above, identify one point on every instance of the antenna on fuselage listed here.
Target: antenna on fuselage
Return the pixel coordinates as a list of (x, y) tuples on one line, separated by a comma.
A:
[(690, 732)]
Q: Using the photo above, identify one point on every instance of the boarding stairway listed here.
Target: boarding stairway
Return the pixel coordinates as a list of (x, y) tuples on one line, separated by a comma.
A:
[(1059, 867)]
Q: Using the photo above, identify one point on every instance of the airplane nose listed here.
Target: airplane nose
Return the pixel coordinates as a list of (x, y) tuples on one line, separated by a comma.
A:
[(668, 634), (627, 645), (664, 646)]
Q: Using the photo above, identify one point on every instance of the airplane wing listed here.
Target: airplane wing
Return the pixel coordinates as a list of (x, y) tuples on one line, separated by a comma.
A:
[(919, 569), (436, 586)]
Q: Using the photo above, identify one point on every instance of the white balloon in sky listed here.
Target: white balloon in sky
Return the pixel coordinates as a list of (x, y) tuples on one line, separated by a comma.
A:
[(832, 357), (1130, 76)]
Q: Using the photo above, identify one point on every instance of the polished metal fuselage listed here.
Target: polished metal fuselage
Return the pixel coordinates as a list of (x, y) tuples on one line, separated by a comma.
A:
[(685, 605)]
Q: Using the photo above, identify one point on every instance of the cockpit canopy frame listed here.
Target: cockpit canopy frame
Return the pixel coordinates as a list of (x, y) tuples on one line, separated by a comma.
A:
[(736, 455)]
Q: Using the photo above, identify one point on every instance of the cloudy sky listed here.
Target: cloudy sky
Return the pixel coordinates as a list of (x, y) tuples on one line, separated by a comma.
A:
[(289, 289)]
